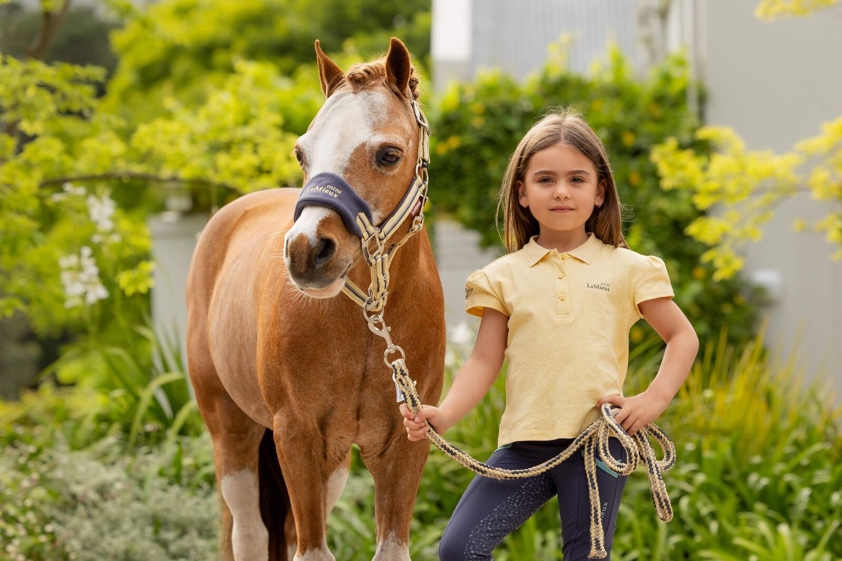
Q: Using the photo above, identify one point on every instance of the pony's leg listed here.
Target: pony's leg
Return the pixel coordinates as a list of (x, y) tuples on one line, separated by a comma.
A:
[(236, 441), (396, 467), (315, 474)]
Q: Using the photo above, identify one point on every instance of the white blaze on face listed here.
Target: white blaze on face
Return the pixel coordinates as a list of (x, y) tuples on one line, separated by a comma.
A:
[(307, 224), (250, 538), (344, 123)]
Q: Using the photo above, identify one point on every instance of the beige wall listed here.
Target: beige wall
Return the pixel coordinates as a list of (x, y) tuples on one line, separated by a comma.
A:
[(775, 83)]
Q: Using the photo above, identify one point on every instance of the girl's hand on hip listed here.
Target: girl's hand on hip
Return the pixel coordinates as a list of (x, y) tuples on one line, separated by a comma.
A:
[(416, 427), (635, 411)]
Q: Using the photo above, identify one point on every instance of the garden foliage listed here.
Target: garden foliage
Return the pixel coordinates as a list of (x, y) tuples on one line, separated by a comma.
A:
[(86, 154), (748, 186), (758, 481)]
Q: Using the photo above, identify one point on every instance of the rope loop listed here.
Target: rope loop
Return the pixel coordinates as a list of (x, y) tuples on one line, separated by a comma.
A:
[(593, 440)]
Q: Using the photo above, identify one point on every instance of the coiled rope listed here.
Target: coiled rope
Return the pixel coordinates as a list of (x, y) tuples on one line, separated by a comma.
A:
[(594, 440)]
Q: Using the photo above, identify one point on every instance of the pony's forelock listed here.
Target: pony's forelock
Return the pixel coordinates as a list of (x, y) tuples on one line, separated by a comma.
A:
[(366, 74)]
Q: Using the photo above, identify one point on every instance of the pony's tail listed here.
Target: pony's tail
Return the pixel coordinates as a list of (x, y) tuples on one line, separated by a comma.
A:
[(274, 501)]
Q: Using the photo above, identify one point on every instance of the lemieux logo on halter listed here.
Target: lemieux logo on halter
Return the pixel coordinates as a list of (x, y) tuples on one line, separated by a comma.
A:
[(329, 190)]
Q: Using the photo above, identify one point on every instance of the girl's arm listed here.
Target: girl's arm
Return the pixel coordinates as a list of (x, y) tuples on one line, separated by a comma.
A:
[(675, 329), (472, 381)]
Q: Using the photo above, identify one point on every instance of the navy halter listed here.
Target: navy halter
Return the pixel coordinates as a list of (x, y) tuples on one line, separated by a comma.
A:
[(330, 190)]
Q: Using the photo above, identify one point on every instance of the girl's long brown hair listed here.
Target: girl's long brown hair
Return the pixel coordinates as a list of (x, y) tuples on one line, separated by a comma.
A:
[(565, 127)]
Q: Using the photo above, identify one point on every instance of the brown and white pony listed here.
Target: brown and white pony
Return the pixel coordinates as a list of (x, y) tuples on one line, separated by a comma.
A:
[(286, 373)]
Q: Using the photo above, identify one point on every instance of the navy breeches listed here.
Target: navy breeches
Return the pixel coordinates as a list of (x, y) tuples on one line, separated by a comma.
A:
[(491, 509)]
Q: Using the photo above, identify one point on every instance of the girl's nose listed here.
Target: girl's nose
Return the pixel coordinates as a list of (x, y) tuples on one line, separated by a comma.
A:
[(561, 192)]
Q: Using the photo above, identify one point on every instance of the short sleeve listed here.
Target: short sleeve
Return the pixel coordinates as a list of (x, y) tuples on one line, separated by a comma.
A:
[(479, 294), (652, 281)]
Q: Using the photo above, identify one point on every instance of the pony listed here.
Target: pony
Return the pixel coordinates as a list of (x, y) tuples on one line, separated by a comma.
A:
[(287, 371)]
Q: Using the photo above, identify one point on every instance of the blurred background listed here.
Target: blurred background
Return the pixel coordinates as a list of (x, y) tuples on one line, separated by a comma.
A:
[(125, 125)]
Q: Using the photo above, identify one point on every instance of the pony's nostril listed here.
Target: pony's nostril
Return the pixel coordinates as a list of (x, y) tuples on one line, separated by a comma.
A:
[(325, 250)]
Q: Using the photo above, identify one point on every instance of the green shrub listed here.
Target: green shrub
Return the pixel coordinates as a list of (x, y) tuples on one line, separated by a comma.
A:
[(58, 504), (138, 389)]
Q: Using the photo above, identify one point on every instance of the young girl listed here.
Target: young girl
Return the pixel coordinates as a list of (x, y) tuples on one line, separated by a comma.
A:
[(559, 308)]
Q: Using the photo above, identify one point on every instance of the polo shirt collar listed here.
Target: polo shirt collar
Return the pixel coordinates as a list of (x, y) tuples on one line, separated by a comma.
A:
[(585, 252)]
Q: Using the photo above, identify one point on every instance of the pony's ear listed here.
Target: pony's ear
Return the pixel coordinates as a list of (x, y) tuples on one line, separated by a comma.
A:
[(330, 75), (398, 68)]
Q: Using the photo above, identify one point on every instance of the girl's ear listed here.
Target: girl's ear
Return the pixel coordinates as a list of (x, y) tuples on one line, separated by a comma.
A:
[(600, 192), (521, 194)]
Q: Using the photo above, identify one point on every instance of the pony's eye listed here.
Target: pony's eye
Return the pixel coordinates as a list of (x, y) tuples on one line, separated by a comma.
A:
[(299, 156), (388, 156)]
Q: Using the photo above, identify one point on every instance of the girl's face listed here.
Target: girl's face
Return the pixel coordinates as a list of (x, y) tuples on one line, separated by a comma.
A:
[(561, 189)]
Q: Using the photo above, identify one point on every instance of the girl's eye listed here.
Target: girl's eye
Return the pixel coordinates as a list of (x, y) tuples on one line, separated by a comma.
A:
[(577, 180), (545, 180)]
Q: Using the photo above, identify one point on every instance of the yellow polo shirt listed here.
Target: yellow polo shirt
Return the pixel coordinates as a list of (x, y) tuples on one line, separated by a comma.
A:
[(569, 321)]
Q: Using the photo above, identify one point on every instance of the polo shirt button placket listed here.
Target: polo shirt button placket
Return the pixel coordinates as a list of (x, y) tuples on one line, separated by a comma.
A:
[(562, 306)]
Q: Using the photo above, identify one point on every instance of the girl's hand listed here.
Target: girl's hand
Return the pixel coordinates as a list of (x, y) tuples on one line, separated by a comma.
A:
[(416, 428), (636, 411)]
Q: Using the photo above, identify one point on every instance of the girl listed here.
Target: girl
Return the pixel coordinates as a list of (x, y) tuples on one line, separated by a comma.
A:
[(558, 307)]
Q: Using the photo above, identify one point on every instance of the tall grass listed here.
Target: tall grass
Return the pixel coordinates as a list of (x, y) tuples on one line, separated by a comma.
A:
[(138, 389)]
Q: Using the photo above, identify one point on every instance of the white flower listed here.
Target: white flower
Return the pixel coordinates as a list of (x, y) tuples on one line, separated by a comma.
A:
[(80, 279), (69, 190), (101, 211)]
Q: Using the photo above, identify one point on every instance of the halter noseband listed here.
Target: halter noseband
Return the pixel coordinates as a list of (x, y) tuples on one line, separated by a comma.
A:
[(332, 191)]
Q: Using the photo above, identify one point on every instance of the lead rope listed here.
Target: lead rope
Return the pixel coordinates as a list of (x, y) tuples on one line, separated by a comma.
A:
[(593, 440)]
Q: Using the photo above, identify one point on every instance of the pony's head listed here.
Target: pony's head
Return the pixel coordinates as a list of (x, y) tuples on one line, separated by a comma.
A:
[(359, 153)]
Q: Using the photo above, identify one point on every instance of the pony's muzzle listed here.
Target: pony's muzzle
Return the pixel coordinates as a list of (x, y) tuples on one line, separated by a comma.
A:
[(308, 262), (314, 264)]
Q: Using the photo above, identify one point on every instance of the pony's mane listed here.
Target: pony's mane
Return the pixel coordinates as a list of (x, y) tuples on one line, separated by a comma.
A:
[(366, 73)]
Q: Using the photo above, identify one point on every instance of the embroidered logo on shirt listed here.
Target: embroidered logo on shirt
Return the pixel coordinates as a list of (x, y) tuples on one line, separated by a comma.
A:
[(468, 292), (600, 286)]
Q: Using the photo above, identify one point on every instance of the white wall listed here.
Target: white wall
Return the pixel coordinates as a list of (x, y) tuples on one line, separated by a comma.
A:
[(174, 238), (775, 83), (457, 256)]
